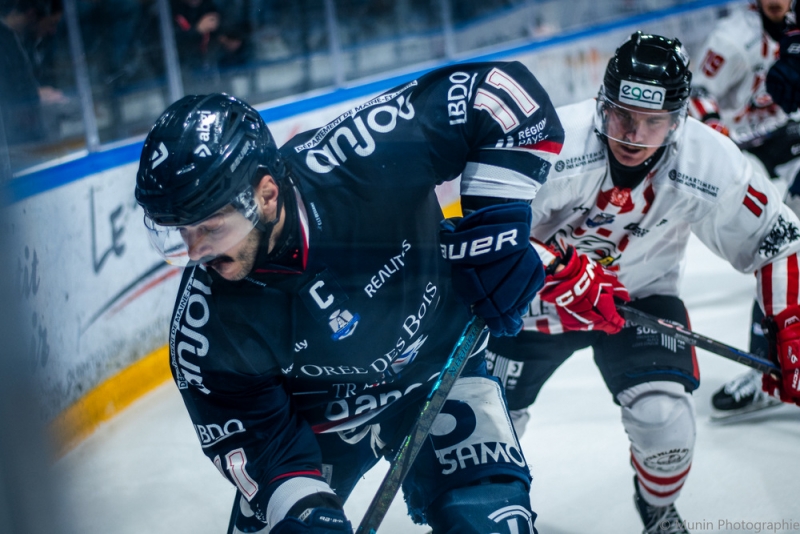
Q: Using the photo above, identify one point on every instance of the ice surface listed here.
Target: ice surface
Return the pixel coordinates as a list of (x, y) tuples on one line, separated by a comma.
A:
[(144, 472)]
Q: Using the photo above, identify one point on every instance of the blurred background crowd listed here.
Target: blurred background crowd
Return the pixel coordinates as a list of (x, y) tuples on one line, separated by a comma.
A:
[(80, 74)]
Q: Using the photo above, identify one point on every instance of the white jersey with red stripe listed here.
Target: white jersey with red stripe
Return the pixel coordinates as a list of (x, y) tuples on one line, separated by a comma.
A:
[(730, 70), (702, 184)]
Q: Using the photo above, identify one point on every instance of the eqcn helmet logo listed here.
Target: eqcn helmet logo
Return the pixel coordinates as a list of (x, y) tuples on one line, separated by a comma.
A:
[(638, 94)]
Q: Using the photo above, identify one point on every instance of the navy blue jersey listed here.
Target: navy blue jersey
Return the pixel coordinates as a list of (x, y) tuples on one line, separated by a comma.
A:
[(360, 332)]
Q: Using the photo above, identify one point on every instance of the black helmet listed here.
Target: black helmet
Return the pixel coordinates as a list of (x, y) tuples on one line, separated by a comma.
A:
[(201, 153), (649, 71)]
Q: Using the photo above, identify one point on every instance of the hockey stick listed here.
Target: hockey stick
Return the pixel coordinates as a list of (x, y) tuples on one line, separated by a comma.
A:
[(414, 440), (693, 338)]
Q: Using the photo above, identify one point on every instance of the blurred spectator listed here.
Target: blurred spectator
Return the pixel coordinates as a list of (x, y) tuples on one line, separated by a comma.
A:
[(108, 30), (19, 91), (39, 44), (196, 23), (371, 19), (233, 45)]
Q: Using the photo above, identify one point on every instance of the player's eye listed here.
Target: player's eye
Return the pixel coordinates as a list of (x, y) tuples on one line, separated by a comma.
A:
[(212, 225), (624, 117)]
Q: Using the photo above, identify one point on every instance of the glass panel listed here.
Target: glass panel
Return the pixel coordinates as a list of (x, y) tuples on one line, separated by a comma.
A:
[(125, 60), (487, 23), (255, 50), (41, 109), (259, 50), (384, 35)]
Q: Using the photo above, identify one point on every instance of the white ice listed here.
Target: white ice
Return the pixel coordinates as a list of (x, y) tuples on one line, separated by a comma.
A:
[(144, 472)]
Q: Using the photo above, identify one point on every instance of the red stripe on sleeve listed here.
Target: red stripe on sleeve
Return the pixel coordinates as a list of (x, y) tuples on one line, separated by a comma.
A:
[(752, 206), (547, 146), (761, 197), (701, 110), (766, 288), (792, 281)]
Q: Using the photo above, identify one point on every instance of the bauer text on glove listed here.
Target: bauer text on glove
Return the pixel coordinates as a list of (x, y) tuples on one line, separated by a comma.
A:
[(495, 269)]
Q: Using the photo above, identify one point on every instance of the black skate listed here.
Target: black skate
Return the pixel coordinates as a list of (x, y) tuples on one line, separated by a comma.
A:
[(740, 398), (657, 519)]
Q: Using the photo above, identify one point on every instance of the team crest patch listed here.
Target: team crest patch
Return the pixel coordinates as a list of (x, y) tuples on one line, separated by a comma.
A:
[(619, 197), (782, 233), (343, 323)]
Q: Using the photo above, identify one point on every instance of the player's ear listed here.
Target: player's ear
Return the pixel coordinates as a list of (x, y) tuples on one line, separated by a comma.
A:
[(266, 193)]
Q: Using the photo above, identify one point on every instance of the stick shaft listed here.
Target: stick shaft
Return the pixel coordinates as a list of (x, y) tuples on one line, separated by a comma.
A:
[(413, 442), (698, 340)]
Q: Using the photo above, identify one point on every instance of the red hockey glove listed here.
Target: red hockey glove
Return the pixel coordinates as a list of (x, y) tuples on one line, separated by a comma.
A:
[(583, 293), (787, 345)]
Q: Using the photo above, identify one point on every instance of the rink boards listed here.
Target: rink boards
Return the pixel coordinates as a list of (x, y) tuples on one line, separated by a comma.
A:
[(97, 297)]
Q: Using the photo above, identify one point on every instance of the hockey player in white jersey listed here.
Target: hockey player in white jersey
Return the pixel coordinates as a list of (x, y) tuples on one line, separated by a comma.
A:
[(634, 179), (730, 95)]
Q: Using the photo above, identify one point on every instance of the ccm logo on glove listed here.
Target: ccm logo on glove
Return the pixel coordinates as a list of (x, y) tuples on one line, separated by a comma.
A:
[(579, 288), (584, 293), (483, 245)]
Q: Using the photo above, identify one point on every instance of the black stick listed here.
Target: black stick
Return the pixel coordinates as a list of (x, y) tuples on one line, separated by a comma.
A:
[(413, 443), (693, 338)]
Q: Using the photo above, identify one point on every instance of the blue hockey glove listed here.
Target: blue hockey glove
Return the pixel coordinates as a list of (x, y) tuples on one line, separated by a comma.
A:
[(319, 521), (495, 269), (783, 78)]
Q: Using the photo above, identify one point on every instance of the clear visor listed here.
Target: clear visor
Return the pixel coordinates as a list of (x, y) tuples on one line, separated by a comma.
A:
[(215, 236), (638, 126)]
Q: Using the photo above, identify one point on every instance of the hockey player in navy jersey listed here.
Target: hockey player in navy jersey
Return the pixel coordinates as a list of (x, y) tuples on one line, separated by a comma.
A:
[(635, 178), (731, 92), (783, 77), (317, 307)]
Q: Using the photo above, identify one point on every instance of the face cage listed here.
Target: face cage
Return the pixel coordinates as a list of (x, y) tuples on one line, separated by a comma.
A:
[(213, 235), (605, 106)]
